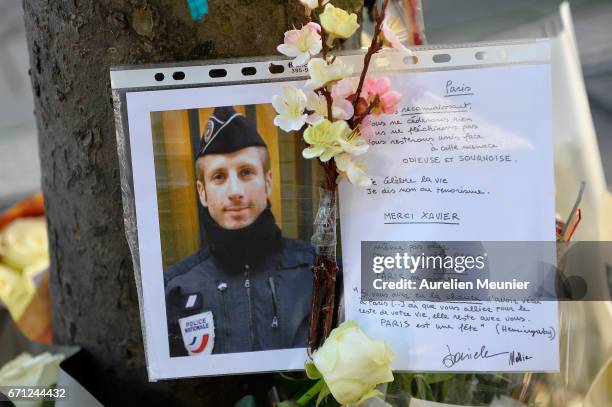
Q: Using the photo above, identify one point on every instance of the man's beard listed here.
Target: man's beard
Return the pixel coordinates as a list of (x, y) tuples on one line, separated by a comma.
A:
[(248, 245)]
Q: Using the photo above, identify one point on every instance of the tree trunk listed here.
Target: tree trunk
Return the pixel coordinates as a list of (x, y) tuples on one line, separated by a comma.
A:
[(72, 45)]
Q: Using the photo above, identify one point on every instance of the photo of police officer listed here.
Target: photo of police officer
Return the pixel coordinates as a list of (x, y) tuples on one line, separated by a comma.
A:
[(248, 288)]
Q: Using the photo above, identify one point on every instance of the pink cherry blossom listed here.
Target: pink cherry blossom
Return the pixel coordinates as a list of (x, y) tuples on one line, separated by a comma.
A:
[(389, 101), (366, 129), (378, 91), (302, 44), (342, 108), (344, 88), (376, 86)]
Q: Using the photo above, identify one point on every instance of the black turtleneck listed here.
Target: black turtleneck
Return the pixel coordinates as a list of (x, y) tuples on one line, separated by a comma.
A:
[(249, 245)]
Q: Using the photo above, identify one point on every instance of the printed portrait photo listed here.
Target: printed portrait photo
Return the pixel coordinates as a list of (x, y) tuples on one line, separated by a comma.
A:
[(234, 230), (224, 204)]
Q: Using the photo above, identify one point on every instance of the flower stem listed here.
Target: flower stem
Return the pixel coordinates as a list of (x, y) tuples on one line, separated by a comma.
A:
[(329, 102), (325, 49), (313, 391), (360, 119), (375, 46)]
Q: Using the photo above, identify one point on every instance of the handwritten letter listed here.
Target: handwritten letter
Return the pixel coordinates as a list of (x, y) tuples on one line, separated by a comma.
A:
[(467, 157)]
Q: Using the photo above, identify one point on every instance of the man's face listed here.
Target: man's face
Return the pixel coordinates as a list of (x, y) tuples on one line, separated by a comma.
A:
[(235, 188)]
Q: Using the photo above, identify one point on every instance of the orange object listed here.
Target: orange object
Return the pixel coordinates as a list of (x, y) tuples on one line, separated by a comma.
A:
[(32, 206), (573, 225), (35, 323), (565, 234)]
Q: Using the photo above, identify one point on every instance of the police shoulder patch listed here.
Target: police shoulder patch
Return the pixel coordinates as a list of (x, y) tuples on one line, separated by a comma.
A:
[(198, 332)]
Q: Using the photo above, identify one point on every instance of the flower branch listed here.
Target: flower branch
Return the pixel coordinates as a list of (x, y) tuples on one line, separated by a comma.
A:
[(332, 115), (329, 102), (374, 47)]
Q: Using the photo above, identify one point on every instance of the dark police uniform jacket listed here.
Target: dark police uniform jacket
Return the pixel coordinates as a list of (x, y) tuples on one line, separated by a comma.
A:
[(254, 307)]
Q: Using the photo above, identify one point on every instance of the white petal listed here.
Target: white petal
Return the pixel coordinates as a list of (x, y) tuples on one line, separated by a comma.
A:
[(360, 178), (312, 152), (354, 148), (314, 118), (328, 154), (354, 173), (316, 103), (311, 4), (312, 84), (342, 109), (289, 123), (316, 47), (342, 161), (301, 59), (288, 50), (294, 95), (326, 356), (278, 102)]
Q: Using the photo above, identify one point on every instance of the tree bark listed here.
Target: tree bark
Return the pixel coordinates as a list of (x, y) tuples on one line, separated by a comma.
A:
[(72, 45)]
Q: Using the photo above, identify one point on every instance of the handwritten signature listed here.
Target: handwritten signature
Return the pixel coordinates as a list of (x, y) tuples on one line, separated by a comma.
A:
[(452, 358)]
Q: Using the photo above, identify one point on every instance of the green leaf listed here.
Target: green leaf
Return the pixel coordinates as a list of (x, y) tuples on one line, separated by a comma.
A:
[(247, 401), (293, 387), (309, 395), (322, 394), (287, 403), (311, 371)]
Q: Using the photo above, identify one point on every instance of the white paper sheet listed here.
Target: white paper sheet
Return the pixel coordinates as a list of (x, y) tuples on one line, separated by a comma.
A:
[(472, 149)]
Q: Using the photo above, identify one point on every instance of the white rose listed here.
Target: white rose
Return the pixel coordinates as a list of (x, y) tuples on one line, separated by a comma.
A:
[(24, 242), (353, 364), (26, 370)]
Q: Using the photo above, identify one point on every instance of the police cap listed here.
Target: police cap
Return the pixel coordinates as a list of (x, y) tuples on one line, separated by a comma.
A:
[(228, 131)]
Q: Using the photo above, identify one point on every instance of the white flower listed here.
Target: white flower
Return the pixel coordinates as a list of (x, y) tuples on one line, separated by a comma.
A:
[(324, 139), (302, 44), (353, 143), (321, 73), (318, 105), (25, 370), (311, 4), (290, 108), (342, 109), (353, 171), (353, 364), (337, 22)]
